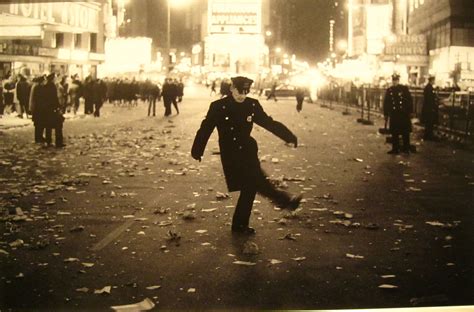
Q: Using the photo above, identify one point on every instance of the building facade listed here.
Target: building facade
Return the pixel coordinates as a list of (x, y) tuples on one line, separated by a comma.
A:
[(448, 26), (63, 37)]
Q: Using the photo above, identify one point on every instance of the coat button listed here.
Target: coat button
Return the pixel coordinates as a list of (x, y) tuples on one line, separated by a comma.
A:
[(226, 118), (235, 139), (223, 107), (240, 147), (253, 114), (231, 128)]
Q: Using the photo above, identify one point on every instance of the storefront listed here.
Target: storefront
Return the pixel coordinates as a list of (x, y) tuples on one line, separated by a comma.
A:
[(61, 37)]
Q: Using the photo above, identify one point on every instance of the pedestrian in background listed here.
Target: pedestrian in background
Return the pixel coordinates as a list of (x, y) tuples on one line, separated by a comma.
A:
[(23, 89), (429, 112), (36, 95), (272, 93), (213, 87), (9, 85), (2, 103), (61, 86), (169, 94), (398, 108), (176, 95), (299, 98), (180, 90), (234, 117), (75, 92), (225, 87), (50, 112)]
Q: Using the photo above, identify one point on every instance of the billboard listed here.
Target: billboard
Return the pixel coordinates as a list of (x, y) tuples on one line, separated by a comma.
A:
[(378, 26), (235, 17), (407, 45)]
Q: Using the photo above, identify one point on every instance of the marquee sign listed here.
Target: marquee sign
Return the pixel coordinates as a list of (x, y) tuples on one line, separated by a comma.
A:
[(407, 45), (235, 16), (73, 14)]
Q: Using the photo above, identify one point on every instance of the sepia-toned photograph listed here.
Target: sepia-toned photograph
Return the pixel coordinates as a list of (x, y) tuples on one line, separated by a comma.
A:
[(237, 155)]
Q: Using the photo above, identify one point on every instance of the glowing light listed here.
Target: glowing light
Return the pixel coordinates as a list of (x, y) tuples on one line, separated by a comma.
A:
[(178, 3), (268, 33), (278, 50)]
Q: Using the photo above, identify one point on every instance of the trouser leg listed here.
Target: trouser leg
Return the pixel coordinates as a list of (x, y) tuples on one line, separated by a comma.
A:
[(270, 191), (175, 104), (395, 141), (48, 135), (243, 209), (406, 141), (154, 106), (58, 132), (428, 130), (39, 134)]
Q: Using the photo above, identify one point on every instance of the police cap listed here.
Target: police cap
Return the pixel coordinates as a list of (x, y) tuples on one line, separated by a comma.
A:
[(241, 83), (395, 77)]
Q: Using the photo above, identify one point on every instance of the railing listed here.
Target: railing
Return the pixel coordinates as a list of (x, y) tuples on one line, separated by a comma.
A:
[(456, 109)]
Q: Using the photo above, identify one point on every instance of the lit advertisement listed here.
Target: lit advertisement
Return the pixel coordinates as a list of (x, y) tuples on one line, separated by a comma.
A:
[(379, 25), (235, 16)]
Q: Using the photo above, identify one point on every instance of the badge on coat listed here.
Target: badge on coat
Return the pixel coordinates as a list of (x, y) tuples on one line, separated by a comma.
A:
[(249, 118)]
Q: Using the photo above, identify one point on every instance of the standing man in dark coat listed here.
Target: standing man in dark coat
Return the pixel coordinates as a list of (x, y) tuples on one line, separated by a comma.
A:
[(169, 94), (234, 117), (398, 108), (429, 112), (300, 91), (23, 89), (48, 110)]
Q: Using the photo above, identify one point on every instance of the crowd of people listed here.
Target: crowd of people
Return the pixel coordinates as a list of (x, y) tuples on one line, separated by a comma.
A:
[(46, 98)]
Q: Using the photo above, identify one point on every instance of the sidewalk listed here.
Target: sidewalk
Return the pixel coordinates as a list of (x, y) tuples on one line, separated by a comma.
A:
[(12, 121)]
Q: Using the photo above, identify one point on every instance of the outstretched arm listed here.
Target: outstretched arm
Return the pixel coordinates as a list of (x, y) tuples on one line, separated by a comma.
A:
[(277, 128), (203, 134)]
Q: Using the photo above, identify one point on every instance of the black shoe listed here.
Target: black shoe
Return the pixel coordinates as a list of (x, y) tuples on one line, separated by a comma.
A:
[(62, 145), (243, 230), (294, 202), (393, 152)]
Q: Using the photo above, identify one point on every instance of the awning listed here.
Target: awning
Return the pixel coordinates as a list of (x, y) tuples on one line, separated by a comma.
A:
[(21, 32)]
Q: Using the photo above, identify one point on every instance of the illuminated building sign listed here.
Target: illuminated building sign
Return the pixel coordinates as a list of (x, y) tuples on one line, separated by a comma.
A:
[(407, 45), (77, 15), (235, 16)]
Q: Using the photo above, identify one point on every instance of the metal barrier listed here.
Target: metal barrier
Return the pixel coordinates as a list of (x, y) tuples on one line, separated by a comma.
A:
[(456, 109)]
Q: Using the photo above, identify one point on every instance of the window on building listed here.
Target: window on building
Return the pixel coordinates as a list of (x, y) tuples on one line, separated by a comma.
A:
[(77, 41), (59, 40), (93, 43)]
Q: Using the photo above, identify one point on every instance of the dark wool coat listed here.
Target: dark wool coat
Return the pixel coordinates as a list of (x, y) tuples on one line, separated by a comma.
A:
[(46, 105), (429, 112), (398, 105), (238, 150)]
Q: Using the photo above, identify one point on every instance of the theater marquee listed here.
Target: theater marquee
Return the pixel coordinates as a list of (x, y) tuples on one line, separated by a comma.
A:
[(235, 16)]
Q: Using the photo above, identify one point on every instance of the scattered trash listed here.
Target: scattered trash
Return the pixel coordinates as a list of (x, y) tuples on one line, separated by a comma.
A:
[(153, 287), (191, 290), (105, 290), (244, 263), (144, 305), (275, 261), (348, 255), (299, 258), (387, 286), (201, 231), (250, 248)]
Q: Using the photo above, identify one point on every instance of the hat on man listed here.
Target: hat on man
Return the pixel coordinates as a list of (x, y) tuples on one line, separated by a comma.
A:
[(395, 76), (241, 83)]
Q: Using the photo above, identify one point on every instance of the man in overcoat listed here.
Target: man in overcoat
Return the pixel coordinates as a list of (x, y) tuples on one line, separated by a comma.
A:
[(23, 89), (234, 117), (429, 112), (398, 108), (48, 113)]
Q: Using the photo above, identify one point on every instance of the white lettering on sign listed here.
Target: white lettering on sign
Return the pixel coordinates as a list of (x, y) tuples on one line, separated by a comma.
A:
[(67, 13)]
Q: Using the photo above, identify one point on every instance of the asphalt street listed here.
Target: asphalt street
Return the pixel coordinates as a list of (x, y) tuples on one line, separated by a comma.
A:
[(124, 213)]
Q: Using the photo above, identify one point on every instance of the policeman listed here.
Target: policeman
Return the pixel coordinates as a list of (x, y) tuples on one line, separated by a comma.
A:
[(429, 112), (234, 117), (398, 107)]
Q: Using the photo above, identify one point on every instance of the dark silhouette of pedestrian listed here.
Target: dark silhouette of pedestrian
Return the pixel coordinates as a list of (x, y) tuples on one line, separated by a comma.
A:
[(429, 112), (398, 107), (213, 87), (23, 89), (36, 95), (300, 92), (169, 94), (234, 117), (272, 93)]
